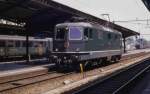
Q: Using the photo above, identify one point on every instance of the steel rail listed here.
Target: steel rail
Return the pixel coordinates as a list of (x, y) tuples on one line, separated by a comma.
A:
[(17, 85), (115, 82)]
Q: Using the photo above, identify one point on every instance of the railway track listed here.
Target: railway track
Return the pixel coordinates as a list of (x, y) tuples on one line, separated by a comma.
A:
[(23, 73), (14, 84), (10, 85), (119, 82)]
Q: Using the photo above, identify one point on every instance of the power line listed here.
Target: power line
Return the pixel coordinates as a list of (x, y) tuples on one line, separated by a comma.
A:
[(144, 34), (141, 20), (136, 21)]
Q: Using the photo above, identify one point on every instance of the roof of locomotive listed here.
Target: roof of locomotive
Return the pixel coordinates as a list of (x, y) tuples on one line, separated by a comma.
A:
[(87, 24), (83, 24)]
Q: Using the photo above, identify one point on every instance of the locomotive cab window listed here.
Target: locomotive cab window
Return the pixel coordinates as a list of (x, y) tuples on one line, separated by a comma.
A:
[(75, 33), (61, 33), (88, 33)]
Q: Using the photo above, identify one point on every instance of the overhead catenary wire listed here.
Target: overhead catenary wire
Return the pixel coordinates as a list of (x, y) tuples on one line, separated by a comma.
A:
[(136, 20)]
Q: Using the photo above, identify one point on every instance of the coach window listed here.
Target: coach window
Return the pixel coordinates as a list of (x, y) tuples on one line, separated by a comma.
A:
[(10, 43), (40, 43), (17, 43), (30, 44), (24, 44), (2, 43), (44, 44)]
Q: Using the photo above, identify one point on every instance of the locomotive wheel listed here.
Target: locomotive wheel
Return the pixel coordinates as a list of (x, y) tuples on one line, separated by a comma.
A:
[(99, 61), (57, 65), (114, 59)]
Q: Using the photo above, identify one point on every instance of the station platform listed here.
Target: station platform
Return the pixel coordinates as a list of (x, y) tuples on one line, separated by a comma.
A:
[(14, 65), (21, 71), (136, 51)]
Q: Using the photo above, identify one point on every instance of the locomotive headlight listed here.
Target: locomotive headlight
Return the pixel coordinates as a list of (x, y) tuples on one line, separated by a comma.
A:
[(54, 56), (67, 28), (78, 49), (56, 49), (76, 56), (69, 60), (65, 57)]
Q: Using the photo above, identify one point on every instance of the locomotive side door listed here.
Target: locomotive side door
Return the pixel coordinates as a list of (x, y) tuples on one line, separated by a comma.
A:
[(88, 39)]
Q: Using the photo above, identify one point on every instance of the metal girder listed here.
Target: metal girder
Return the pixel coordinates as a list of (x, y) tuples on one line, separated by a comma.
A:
[(13, 5), (147, 4), (35, 9)]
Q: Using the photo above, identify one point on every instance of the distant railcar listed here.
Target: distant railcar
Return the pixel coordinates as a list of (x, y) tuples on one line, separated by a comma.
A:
[(15, 46), (82, 42), (141, 44)]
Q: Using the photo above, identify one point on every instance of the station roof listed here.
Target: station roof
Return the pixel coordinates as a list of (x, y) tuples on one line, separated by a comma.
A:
[(11, 30), (147, 4), (43, 15), (11, 27)]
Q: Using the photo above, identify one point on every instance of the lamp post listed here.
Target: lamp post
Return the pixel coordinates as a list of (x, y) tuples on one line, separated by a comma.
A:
[(107, 16), (107, 24)]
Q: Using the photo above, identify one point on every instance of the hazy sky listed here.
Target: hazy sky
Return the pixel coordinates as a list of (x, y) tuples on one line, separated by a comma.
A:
[(118, 10)]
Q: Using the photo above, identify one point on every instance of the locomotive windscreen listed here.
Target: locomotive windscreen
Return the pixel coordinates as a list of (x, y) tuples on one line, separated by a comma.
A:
[(75, 33), (61, 33)]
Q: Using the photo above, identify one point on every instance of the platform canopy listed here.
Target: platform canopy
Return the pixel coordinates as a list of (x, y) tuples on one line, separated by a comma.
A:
[(147, 4), (43, 15)]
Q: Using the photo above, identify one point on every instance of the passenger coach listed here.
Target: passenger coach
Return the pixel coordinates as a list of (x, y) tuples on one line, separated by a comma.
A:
[(14, 47)]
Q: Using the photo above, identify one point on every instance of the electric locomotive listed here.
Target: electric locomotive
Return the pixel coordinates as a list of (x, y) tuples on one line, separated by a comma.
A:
[(84, 42)]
